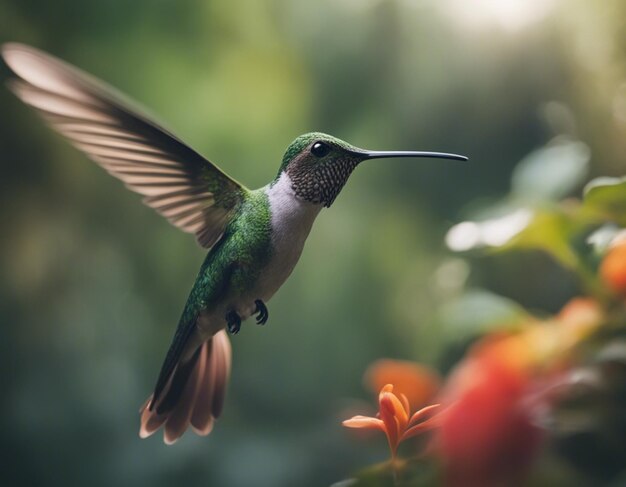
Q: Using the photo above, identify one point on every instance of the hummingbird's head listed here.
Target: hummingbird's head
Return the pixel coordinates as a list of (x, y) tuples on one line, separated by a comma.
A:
[(319, 165)]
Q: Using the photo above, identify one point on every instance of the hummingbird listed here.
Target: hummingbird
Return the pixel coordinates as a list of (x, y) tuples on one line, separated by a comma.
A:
[(254, 238)]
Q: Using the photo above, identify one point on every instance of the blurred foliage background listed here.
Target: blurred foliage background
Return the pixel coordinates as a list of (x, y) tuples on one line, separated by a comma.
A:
[(93, 282)]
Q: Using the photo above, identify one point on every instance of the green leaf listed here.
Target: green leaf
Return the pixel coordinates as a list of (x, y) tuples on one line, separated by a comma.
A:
[(479, 311), (601, 238), (552, 172), (607, 197), (493, 232), (550, 231)]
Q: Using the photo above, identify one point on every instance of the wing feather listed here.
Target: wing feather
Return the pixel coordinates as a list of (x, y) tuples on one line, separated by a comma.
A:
[(187, 189)]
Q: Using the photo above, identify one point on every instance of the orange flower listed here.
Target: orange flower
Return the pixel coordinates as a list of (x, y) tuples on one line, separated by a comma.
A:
[(613, 269), (417, 382), (394, 418), (578, 319), (488, 435)]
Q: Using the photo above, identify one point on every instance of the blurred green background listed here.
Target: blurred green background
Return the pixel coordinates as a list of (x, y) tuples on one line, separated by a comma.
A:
[(93, 282)]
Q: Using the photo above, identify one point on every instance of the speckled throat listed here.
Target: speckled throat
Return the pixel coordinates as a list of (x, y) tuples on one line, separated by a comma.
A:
[(321, 183)]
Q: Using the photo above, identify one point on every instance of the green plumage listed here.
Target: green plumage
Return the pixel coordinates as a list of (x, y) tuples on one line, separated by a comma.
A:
[(301, 143), (230, 269), (241, 253)]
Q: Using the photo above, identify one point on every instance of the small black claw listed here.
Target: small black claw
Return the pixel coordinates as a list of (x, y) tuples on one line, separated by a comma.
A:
[(263, 314), (233, 322)]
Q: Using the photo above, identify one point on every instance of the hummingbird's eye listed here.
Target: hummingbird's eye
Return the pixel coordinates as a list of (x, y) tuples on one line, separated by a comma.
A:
[(319, 149)]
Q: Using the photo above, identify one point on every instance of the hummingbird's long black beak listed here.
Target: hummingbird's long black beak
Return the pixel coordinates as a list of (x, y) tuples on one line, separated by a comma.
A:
[(433, 155)]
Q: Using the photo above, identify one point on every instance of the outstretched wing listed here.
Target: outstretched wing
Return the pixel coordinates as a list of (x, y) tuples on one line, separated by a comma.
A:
[(175, 180)]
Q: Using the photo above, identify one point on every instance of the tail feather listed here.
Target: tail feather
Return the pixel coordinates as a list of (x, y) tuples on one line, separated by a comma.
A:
[(178, 419), (176, 384), (173, 359), (212, 387), (199, 400)]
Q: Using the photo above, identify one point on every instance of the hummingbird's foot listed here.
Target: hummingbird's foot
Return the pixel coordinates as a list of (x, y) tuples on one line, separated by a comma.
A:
[(262, 313), (233, 322)]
